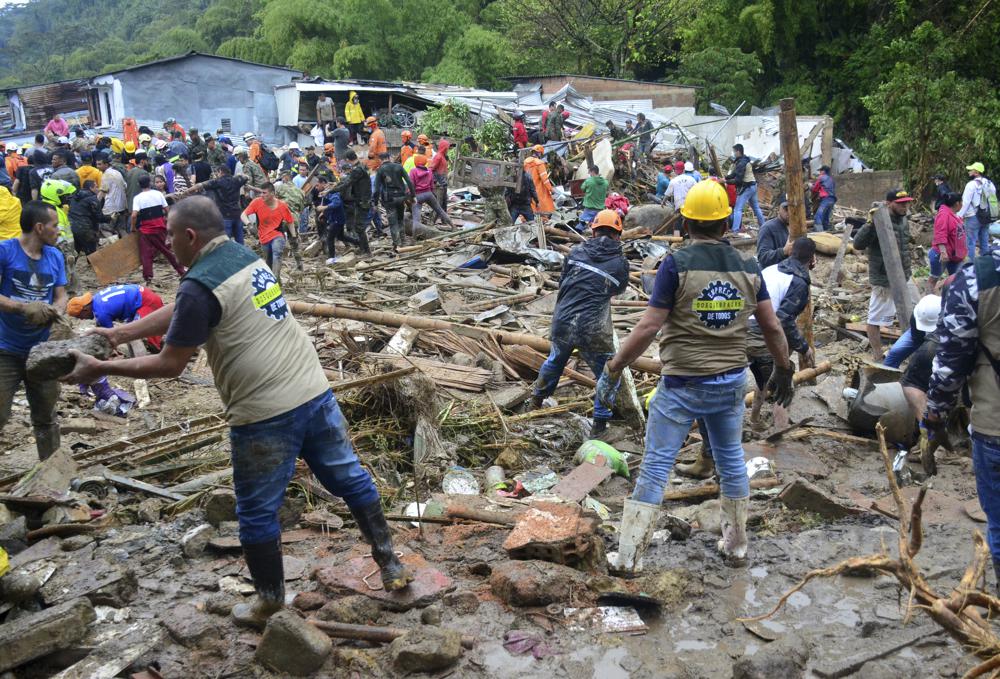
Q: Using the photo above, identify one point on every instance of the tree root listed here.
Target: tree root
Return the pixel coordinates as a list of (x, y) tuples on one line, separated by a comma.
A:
[(959, 614)]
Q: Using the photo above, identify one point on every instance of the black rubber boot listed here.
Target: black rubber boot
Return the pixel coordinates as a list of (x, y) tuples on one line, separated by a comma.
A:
[(374, 529), (599, 427), (47, 440), (268, 573), (537, 401)]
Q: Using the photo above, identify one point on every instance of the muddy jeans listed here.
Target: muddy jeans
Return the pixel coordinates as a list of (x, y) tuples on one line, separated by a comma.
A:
[(441, 193), (429, 198), (264, 455), (394, 214), (42, 399), (273, 251), (552, 369), (719, 403)]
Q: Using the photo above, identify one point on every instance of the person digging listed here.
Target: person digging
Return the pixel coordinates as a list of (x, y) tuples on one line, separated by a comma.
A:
[(702, 300), (278, 409)]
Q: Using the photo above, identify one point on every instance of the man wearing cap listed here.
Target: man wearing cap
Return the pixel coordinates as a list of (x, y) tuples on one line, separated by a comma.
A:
[(393, 189), (773, 244), (290, 158), (679, 186), (254, 172), (881, 307), (215, 155), (742, 177), (973, 197), (117, 304), (702, 299), (824, 189), (593, 273)]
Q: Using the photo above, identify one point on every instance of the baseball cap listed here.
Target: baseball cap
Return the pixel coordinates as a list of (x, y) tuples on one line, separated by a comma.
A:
[(76, 305), (978, 167), (898, 196), (678, 167), (293, 145)]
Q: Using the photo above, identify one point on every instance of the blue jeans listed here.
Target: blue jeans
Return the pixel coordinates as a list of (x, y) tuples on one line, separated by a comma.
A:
[(747, 195), (264, 455), (587, 216), (986, 464), (976, 233), (901, 349), (937, 267), (304, 219), (552, 369), (671, 412), (823, 213), (525, 212), (234, 229)]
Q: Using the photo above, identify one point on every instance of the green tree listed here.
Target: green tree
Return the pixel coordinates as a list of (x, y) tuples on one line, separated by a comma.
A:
[(723, 75), (227, 19), (480, 57), (926, 117)]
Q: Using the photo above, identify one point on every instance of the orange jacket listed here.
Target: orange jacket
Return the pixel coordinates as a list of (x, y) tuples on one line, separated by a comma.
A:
[(376, 146), (539, 172)]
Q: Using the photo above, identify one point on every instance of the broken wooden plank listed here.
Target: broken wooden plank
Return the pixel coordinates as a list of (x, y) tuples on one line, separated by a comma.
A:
[(109, 658), (578, 483), (372, 633), (141, 486), (113, 262), (894, 270)]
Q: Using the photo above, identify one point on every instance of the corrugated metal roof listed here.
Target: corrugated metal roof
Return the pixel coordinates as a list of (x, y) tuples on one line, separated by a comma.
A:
[(188, 55), (596, 77), (41, 102)]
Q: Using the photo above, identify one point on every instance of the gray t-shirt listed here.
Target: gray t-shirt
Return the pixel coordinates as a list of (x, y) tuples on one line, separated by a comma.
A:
[(340, 138), (325, 109)]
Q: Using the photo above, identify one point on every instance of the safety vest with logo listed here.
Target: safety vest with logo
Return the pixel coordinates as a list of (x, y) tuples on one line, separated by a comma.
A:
[(263, 363), (706, 331)]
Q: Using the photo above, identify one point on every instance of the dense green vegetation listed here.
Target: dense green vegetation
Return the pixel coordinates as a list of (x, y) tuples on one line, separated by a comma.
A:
[(910, 83)]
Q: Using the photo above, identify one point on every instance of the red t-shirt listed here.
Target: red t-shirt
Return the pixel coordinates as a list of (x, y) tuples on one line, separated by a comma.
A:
[(268, 220)]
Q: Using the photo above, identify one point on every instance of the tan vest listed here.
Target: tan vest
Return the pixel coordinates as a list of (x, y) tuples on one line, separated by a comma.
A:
[(983, 382), (748, 177), (263, 363), (706, 331)]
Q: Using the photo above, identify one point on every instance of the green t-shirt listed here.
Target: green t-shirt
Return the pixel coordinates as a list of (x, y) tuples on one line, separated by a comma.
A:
[(595, 190)]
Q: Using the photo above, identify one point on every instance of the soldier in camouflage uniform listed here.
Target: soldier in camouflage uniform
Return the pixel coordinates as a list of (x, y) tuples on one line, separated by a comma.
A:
[(296, 201), (495, 206)]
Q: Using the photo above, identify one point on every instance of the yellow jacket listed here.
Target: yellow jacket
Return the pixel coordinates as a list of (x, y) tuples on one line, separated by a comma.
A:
[(352, 112), (10, 215)]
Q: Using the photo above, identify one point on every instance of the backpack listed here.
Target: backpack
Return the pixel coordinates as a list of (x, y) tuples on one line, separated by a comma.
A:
[(989, 208), (268, 159)]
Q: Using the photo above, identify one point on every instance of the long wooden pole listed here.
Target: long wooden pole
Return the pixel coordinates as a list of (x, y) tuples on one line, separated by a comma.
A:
[(893, 264), (647, 365), (381, 635), (789, 134)]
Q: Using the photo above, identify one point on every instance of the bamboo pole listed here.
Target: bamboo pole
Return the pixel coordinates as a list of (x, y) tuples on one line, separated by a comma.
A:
[(382, 635), (648, 365)]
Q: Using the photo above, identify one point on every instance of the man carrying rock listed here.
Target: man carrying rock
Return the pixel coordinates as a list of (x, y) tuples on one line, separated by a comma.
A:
[(593, 273), (702, 299), (32, 295), (278, 409)]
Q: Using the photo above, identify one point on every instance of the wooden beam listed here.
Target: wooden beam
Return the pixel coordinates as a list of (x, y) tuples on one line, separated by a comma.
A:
[(893, 265), (789, 134), (826, 144)]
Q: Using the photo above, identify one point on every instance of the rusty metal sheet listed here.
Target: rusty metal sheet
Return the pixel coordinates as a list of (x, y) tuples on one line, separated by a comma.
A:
[(578, 483)]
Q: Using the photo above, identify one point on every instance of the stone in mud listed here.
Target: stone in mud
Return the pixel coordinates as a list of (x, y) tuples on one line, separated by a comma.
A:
[(194, 541), (292, 646), (786, 658), (220, 506), (534, 583), (308, 601), (669, 587), (427, 649), (803, 495), (356, 609), (649, 216), (464, 602), (52, 360), (188, 626)]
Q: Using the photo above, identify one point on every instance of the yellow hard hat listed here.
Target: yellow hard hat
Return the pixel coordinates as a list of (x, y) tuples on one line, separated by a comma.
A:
[(706, 201), (117, 145), (129, 147)]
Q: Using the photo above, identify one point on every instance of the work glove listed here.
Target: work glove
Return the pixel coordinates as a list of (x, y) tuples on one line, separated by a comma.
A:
[(39, 313), (607, 388), (779, 388), (933, 435)]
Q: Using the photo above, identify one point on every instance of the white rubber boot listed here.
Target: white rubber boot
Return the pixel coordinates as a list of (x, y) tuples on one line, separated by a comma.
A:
[(733, 545), (638, 523)]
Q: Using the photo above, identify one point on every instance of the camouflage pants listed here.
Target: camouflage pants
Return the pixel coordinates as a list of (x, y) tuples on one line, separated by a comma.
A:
[(495, 208)]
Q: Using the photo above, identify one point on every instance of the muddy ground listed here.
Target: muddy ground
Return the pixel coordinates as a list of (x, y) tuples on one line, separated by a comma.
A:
[(848, 626)]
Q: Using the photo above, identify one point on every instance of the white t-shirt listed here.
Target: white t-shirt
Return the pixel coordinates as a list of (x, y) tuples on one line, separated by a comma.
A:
[(678, 189), (150, 198)]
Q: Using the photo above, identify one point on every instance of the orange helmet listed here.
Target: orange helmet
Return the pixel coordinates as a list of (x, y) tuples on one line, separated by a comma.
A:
[(538, 148), (420, 160), (609, 219), (406, 134), (371, 121)]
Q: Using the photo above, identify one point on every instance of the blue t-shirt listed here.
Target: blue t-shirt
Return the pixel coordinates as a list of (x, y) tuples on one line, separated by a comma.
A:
[(662, 182), (116, 303), (23, 279)]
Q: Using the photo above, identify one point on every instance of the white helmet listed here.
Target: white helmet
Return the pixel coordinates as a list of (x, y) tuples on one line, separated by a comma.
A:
[(925, 314), (689, 166), (241, 149), (248, 136)]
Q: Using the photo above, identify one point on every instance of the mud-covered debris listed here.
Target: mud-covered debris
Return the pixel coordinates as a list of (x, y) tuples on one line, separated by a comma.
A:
[(803, 495), (188, 626), (308, 601), (462, 602), (290, 645), (355, 609), (535, 583), (220, 505), (427, 649), (786, 657), (558, 533), (38, 634), (194, 541), (52, 360)]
